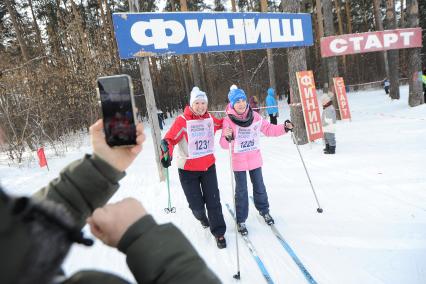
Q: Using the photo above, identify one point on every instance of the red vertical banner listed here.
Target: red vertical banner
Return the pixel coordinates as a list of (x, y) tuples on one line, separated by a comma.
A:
[(342, 99), (311, 110), (42, 161)]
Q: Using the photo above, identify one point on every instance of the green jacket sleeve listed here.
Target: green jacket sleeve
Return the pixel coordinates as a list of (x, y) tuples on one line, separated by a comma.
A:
[(161, 254), (83, 186)]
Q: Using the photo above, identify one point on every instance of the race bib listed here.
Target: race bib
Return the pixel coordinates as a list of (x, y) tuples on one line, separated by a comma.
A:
[(200, 137), (247, 138)]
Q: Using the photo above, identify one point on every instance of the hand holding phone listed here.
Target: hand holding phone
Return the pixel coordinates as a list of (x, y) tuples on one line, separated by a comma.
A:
[(118, 157), (118, 108)]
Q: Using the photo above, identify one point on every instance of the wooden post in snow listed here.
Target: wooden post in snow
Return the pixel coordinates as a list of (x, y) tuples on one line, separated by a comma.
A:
[(150, 100)]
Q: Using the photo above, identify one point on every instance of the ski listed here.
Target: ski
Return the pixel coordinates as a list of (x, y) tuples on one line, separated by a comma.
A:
[(291, 252), (253, 251)]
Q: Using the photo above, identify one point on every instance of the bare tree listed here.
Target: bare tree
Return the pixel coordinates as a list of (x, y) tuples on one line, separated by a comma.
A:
[(340, 25), (393, 55), (182, 65), (414, 60), (331, 61), (296, 57), (195, 67), (319, 18), (320, 33), (36, 27), (246, 85), (19, 35), (348, 16), (348, 13), (269, 53), (113, 44), (379, 27), (204, 72)]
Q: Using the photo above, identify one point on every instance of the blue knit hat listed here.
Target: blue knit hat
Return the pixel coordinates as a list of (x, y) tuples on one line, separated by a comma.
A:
[(235, 95)]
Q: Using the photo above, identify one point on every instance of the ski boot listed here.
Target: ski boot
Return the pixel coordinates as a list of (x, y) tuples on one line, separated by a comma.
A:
[(242, 229), (332, 150), (326, 149), (205, 223), (268, 218), (221, 242)]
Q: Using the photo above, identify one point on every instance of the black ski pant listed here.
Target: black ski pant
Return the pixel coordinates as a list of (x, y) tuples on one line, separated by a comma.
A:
[(273, 119), (241, 193), (202, 192)]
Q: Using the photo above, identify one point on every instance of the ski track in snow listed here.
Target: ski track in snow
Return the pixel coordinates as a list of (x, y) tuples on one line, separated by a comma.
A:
[(373, 229)]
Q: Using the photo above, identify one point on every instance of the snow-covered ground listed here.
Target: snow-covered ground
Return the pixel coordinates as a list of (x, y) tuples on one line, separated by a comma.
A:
[(373, 192)]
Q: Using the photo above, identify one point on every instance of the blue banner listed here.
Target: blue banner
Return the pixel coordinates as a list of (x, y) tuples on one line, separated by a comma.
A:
[(147, 34)]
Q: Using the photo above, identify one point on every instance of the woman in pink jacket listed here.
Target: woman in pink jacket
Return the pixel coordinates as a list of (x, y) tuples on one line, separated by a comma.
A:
[(241, 129)]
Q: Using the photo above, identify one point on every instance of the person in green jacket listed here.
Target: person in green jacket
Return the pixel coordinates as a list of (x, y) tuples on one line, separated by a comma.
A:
[(36, 233)]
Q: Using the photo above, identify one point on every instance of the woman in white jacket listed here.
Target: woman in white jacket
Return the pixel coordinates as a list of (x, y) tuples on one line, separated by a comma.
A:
[(328, 121)]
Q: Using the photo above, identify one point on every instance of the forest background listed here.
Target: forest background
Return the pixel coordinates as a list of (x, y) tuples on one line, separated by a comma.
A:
[(52, 51)]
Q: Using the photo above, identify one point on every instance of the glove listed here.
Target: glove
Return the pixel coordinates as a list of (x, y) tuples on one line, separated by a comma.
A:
[(229, 138), (166, 161), (287, 129), (166, 158)]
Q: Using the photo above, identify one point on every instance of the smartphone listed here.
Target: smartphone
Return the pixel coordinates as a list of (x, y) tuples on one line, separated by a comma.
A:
[(118, 108)]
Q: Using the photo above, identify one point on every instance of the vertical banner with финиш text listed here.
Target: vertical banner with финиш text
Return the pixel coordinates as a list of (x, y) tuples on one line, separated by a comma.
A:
[(342, 99), (311, 110)]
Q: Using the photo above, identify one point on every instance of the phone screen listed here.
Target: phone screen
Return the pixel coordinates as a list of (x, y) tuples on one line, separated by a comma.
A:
[(117, 107)]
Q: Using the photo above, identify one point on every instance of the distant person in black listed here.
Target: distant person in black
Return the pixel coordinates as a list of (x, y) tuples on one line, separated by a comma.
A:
[(386, 85), (160, 119)]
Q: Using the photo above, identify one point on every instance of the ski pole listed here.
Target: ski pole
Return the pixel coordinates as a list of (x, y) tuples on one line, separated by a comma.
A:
[(319, 209), (169, 208), (236, 276)]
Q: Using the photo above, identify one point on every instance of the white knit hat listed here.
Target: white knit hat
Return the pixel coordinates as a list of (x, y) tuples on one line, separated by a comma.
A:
[(197, 95), (233, 87)]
